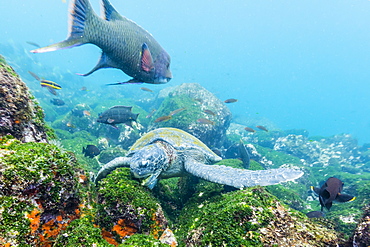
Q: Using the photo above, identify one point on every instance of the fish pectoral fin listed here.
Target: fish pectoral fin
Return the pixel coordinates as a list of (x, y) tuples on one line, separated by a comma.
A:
[(146, 59), (109, 120), (131, 81), (344, 198), (104, 62), (316, 190)]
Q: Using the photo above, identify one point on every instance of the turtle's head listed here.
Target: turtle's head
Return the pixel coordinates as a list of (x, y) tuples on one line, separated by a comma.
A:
[(148, 162)]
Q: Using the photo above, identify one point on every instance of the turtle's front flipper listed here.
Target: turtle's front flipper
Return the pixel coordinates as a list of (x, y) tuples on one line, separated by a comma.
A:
[(110, 166), (240, 178)]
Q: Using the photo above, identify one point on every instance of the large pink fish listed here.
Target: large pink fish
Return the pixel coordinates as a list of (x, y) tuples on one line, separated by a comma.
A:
[(125, 45)]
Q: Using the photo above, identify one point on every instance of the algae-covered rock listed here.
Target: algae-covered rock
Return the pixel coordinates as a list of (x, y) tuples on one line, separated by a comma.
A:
[(20, 115), (41, 192), (250, 217), (81, 232), (126, 208), (361, 236), (198, 104)]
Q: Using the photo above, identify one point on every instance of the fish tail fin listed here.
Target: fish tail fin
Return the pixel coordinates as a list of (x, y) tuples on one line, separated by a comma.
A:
[(80, 11)]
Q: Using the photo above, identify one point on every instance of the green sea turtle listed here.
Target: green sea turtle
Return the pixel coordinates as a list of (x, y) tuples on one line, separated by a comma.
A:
[(170, 152)]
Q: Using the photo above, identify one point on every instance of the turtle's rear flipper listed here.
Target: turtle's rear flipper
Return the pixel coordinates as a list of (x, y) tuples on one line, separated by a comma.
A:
[(240, 178), (110, 166)]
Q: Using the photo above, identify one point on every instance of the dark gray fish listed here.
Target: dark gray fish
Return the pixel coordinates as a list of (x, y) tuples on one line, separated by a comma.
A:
[(244, 155), (209, 112), (57, 102), (118, 114), (230, 101), (52, 91), (249, 129), (33, 43), (315, 214), (146, 89), (205, 121), (176, 111), (262, 128), (90, 151), (125, 45), (163, 119), (331, 191)]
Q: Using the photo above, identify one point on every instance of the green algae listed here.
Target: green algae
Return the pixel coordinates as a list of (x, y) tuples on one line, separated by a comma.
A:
[(81, 232), (120, 198), (184, 118), (7, 67), (278, 158), (250, 217), (226, 218), (143, 240), (39, 182)]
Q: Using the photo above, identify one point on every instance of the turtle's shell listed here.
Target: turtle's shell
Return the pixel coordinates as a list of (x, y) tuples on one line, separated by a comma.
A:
[(177, 138)]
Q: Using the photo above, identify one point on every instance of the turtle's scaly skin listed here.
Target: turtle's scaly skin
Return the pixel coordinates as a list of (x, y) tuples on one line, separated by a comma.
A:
[(170, 152)]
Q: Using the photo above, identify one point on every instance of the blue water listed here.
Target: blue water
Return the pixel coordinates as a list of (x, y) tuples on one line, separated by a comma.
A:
[(291, 64)]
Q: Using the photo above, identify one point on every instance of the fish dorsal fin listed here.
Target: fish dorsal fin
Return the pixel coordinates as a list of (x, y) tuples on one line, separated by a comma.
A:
[(146, 58), (108, 12), (122, 106), (104, 62)]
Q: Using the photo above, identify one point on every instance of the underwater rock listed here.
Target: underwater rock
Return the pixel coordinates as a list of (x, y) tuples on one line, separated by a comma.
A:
[(196, 104), (337, 150), (129, 135), (41, 192), (78, 119), (361, 237), (298, 146), (111, 153), (125, 208), (262, 138), (21, 116), (250, 217)]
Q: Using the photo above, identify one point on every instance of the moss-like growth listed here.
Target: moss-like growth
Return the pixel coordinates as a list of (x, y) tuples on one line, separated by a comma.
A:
[(287, 196), (278, 158), (248, 217), (81, 232), (125, 207), (41, 191), (143, 240), (184, 118)]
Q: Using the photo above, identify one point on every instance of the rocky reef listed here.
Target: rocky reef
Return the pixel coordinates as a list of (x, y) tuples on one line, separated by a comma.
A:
[(204, 115), (47, 197), (21, 116)]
